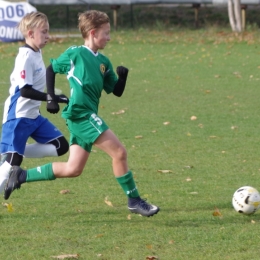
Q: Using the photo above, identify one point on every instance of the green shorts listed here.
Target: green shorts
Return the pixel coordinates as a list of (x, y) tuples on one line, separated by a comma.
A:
[(85, 131)]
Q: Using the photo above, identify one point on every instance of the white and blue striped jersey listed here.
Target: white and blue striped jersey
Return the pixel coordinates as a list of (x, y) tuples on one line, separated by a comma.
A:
[(29, 69)]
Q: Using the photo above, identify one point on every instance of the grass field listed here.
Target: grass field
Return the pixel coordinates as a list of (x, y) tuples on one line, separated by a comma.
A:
[(187, 167)]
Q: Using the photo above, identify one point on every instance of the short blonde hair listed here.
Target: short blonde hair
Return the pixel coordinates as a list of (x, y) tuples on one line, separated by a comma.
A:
[(92, 19), (32, 20)]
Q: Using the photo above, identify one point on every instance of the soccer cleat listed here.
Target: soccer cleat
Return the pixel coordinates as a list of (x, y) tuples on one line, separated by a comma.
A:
[(13, 181), (143, 208)]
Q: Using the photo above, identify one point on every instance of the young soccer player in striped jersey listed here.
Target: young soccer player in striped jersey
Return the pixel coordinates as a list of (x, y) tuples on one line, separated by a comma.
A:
[(21, 118), (89, 73)]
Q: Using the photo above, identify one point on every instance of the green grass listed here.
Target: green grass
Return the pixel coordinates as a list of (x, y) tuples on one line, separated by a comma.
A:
[(213, 75)]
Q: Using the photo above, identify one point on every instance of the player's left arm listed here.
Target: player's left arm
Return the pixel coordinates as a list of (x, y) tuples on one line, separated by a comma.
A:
[(119, 87)]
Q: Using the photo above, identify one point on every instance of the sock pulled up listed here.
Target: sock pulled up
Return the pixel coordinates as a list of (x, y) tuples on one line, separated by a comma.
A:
[(40, 173)]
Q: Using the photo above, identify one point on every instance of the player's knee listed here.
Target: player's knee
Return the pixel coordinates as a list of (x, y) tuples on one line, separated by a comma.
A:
[(74, 171), (64, 146), (61, 144), (121, 153)]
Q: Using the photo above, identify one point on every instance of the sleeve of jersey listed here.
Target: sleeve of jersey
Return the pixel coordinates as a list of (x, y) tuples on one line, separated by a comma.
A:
[(62, 64), (26, 72), (110, 79)]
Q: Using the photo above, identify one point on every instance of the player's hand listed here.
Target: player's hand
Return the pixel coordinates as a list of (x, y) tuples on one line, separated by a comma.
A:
[(52, 105), (122, 72), (61, 99)]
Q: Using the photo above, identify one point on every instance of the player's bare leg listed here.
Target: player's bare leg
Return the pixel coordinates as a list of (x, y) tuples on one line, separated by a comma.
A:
[(74, 166), (109, 143)]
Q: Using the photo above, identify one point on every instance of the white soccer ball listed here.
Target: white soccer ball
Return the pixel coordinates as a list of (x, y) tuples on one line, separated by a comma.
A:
[(246, 200)]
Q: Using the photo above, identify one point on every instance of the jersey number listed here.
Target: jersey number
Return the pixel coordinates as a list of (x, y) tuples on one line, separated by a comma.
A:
[(97, 119)]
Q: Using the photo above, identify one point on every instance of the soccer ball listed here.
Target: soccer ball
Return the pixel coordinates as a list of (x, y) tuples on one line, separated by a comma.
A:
[(246, 200)]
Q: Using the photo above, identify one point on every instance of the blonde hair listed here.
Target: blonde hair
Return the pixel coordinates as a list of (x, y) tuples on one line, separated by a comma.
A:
[(32, 20), (92, 19)]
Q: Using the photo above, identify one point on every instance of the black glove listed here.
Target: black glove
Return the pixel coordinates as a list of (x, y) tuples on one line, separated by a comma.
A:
[(52, 105), (61, 99), (122, 72), (52, 102)]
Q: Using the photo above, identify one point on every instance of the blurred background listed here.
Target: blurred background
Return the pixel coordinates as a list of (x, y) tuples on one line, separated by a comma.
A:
[(160, 15)]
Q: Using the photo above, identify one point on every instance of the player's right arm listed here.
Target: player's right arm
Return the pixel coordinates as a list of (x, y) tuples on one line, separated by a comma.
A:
[(28, 91), (52, 100), (60, 65), (52, 106)]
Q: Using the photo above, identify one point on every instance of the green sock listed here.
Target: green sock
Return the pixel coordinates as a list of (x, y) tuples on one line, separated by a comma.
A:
[(41, 173), (128, 185)]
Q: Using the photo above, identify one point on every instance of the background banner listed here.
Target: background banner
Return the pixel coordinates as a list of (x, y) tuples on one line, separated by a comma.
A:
[(10, 15), (136, 2)]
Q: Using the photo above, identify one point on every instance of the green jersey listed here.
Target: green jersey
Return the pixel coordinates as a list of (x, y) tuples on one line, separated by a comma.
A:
[(88, 73)]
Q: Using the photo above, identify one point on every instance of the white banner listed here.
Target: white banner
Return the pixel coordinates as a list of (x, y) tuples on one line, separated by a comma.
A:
[(133, 2), (10, 15)]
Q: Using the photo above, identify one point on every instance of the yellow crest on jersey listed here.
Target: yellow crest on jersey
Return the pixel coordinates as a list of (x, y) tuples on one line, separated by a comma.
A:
[(102, 68)]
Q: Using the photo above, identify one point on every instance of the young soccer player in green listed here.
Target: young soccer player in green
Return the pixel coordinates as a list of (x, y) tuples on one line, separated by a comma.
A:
[(89, 73)]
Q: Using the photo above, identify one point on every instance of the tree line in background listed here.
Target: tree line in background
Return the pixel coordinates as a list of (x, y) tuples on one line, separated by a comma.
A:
[(160, 16)]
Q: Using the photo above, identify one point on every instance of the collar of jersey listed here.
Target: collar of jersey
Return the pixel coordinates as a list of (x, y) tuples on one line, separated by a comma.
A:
[(94, 53), (28, 46)]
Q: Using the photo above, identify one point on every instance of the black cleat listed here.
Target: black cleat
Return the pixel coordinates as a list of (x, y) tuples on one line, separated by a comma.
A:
[(13, 181), (143, 208)]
